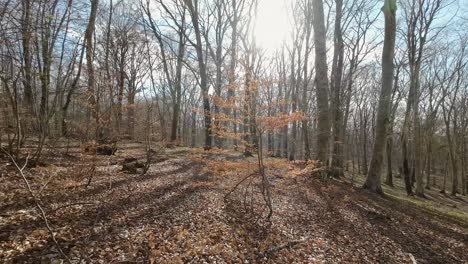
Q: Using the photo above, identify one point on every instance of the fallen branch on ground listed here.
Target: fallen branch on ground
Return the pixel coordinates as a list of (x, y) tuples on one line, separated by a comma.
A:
[(38, 205), (272, 251), (69, 205), (237, 185)]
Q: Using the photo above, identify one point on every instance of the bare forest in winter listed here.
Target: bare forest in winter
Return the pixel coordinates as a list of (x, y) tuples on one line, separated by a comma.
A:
[(233, 131)]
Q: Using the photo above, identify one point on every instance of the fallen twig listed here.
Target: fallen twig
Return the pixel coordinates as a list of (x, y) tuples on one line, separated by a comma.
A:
[(38, 205), (69, 205), (289, 245), (237, 185)]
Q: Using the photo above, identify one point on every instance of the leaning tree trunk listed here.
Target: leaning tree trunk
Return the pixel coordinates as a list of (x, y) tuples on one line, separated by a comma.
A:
[(373, 176)]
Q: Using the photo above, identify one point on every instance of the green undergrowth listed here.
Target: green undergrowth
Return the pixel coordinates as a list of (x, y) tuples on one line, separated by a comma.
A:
[(437, 204)]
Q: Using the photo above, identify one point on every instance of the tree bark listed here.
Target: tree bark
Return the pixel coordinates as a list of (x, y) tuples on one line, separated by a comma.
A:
[(26, 39), (321, 81), (193, 9), (337, 72), (89, 62), (178, 84), (373, 177), (389, 179)]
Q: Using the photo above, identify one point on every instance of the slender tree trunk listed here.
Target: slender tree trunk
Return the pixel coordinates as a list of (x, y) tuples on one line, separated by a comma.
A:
[(337, 72), (89, 62), (178, 85), (373, 177), (304, 102), (463, 164), (446, 172), (193, 133), (429, 162), (73, 87), (120, 92), (131, 113), (27, 56), (417, 142), (389, 179), (193, 9), (365, 140)]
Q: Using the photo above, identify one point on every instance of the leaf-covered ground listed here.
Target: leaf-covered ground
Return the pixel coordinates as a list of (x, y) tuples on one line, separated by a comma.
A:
[(178, 213)]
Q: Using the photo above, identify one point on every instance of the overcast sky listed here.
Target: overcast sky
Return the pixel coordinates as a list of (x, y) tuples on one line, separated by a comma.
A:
[(273, 23)]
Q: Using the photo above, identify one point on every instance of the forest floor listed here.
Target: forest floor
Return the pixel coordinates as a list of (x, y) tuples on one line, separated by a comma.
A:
[(178, 212)]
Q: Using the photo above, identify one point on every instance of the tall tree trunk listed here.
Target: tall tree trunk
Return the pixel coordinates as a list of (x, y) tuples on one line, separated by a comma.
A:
[(27, 55), (417, 136), (321, 80), (178, 84), (106, 61), (89, 62), (70, 93), (120, 91), (373, 177), (337, 72), (232, 66), (45, 72), (304, 101), (193, 9)]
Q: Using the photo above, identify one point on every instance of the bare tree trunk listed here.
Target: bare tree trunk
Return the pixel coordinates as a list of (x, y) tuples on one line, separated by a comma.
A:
[(373, 177), (365, 140), (27, 56), (305, 121), (193, 9), (193, 134), (337, 72), (446, 171), (120, 92), (73, 87), (89, 62), (321, 80), (389, 179), (178, 83), (463, 164), (428, 163), (131, 113)]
